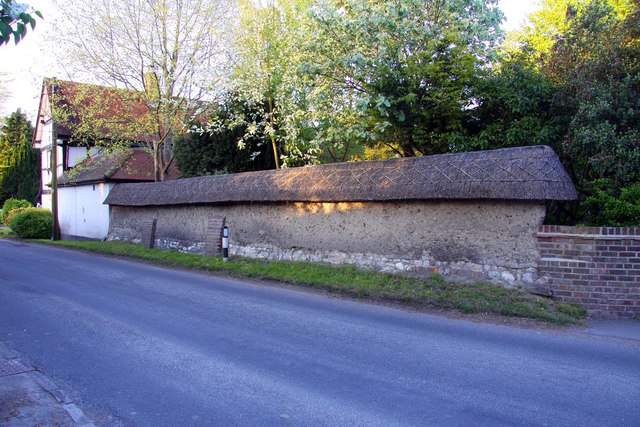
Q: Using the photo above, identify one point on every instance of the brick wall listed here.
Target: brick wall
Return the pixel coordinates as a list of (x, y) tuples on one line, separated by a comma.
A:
[(595, 267)]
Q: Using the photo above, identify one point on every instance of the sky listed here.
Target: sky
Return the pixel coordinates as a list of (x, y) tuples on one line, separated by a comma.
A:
[(22, 67)]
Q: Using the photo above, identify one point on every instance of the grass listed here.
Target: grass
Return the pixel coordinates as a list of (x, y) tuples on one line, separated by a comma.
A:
[(434, 292), (6, 232)]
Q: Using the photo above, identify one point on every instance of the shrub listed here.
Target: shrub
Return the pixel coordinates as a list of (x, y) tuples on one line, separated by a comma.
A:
[(11, 204), (11, 213), (32, 223), (610, 206)]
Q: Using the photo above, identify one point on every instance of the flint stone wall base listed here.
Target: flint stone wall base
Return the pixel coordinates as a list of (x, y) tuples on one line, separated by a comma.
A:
[(460, 271)]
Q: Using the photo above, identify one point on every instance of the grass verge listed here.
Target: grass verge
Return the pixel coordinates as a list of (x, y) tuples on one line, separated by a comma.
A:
[(6, 232), (432, 292)]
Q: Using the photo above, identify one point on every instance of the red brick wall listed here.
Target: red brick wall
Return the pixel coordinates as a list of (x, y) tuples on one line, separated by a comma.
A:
[(595, 267)]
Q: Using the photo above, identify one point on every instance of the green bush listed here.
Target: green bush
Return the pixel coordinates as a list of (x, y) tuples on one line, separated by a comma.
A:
[(11, 204), (11, 213), (610, 206), (32, 223)]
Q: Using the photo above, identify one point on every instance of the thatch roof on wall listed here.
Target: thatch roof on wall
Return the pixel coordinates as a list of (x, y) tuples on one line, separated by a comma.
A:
[(525, 173)]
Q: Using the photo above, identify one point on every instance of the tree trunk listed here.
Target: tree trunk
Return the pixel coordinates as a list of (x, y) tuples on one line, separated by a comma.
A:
[(157, 162)]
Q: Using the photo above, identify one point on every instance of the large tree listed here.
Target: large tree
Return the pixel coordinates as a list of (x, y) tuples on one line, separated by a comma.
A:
[(546, 26), (514, 106), (403, 68), (214, 150), (572, 82), (270, 42), (166, 54), (19, 162), (596, 65)]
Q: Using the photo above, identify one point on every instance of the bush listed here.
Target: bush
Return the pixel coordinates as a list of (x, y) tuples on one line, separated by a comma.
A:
[(610, 206), (32, 223), (11, 204), (11, 213)]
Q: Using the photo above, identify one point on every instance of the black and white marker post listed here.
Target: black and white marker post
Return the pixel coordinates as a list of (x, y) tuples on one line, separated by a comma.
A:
[(225, 243)]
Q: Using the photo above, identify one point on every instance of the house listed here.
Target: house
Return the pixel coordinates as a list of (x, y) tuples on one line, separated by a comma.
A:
[(83, 189), (86, 172), (68, 153)]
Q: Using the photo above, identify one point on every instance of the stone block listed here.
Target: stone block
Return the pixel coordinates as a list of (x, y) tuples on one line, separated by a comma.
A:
[(149, 232)]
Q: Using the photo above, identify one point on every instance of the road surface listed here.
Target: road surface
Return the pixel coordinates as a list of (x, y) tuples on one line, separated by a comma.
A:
[(141, 345)]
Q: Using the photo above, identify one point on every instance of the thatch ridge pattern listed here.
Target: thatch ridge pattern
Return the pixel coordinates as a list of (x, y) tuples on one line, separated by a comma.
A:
[(524, 173)]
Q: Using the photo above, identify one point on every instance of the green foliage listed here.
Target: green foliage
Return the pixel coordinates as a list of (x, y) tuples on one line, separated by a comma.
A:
[(12, 212), (404, 68), (333, 76), (514, 108), (550, 23), (15, 18), (597, 70), (32, 223), (572, 83), (269, 49), (606, 205), (19, 162), (11, 204), (214, 149)]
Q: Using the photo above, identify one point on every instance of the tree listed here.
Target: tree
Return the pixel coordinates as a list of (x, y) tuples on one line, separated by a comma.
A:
[(269, 48), (596, 67), (15, 17), (19, 162), (572, 82), (514, 107), (403, 68), (549, 23), (214, 149), (165, 54)]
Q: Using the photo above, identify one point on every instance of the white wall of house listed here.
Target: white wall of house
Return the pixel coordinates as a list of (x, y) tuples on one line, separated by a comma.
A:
[(81, 212), (46, 164), (74, 156)]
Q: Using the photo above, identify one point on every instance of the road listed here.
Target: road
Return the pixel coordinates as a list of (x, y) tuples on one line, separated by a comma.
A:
[(140, 345)]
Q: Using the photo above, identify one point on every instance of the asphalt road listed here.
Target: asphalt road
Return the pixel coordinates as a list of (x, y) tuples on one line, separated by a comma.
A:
[(141, 345)]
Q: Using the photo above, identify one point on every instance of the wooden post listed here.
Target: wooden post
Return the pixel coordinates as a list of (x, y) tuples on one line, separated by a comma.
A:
[(55, 226)]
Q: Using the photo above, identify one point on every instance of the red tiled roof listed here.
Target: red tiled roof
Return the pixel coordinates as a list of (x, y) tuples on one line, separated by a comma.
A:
[(108, 106), (139, 167)]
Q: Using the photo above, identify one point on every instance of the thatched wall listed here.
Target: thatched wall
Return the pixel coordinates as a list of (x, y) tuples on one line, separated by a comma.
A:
[(471, 215), (526, 173)]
